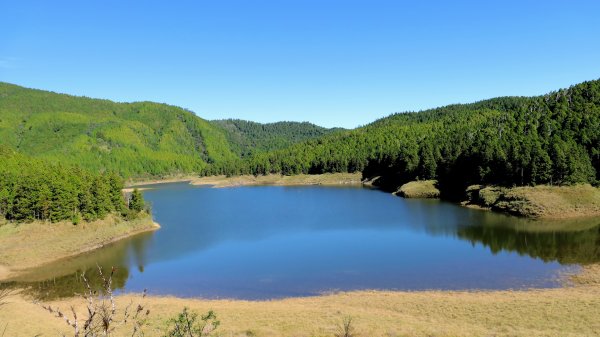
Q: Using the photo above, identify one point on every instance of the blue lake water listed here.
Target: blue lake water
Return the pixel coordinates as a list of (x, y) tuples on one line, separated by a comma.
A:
[(270, 242)]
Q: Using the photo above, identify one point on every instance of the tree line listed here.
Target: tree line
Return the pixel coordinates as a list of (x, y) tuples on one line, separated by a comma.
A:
[(508, 141), (34, 189), (247, 138)]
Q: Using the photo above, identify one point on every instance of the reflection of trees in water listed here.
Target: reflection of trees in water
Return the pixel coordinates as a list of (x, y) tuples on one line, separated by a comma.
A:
[(69, 285), (63, 279), (565, 247)]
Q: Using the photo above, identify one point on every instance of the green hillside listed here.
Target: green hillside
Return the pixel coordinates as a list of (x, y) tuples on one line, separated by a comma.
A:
[(135, 139), (550, 139), (247, 138)]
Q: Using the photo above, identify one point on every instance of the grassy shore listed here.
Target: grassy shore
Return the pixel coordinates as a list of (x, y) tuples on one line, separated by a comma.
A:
[(544, 202), (569, 311), (541, 202), (419, 189), (28, 245)]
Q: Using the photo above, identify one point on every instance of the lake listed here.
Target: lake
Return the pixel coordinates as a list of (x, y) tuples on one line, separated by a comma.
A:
[(266, 242)]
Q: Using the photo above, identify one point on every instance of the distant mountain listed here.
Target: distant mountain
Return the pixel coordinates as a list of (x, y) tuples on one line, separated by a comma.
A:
[(246, 137), (135, 139)]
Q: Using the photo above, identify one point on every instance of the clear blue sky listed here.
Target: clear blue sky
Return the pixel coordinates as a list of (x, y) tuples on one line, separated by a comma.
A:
[(334, 63)]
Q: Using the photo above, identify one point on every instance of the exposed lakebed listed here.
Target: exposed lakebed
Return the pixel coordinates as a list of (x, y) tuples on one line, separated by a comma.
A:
[(267, 242)]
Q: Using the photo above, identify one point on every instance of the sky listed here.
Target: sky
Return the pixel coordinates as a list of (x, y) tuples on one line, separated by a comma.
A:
[(334, 63)]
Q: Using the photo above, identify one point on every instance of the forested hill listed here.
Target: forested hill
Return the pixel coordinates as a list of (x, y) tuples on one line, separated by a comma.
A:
[(246, 137), (134, 139), (549, 139)]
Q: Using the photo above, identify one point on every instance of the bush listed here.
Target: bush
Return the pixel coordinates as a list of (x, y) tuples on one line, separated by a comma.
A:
[(187, 325)]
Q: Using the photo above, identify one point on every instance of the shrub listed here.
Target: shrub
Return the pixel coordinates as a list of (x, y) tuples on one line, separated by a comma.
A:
[(186, 324)]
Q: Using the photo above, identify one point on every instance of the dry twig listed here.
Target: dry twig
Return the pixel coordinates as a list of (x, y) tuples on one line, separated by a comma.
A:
[(102, 312)]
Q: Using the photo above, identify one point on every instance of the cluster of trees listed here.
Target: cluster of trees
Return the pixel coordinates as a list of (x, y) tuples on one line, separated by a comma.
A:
[(551, 139), (133, 139), (33, 189), (247, 138)]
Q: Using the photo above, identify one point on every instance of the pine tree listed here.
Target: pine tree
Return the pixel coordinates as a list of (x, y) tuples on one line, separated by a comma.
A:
[(136, 201)]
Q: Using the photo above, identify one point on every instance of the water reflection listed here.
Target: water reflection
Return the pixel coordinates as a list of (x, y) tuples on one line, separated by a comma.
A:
[(561, 242), (265, 242), (64, 278)]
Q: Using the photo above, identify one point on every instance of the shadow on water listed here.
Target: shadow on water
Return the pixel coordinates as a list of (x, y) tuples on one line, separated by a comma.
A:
[(200, 225)]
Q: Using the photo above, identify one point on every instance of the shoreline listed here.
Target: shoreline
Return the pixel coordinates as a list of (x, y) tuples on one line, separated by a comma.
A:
[(8, 272), (176, 179), (568, 310), (540, 202), (325, 179)]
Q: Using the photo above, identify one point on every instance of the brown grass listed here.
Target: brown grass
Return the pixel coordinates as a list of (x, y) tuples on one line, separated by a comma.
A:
[(419, 189), (558, 201), (327, 179), (279, 180), (588, 276), (160, 180), (544, 202), (29, 245)]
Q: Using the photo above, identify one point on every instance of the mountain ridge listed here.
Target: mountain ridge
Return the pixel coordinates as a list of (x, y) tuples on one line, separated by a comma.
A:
[(546, 139)]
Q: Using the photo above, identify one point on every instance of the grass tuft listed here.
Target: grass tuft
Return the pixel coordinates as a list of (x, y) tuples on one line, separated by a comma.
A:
[(419, 189)]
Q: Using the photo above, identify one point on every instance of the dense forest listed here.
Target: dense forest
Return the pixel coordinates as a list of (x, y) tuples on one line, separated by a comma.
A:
[(247, 138), (134, 139), (549, 139), (34, 189)]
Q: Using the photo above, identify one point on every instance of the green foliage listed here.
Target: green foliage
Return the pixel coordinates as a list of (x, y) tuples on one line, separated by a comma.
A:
[(550, 139), (132, 139), (136, 201), (186, 324), (247, 138), (34, 189)]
